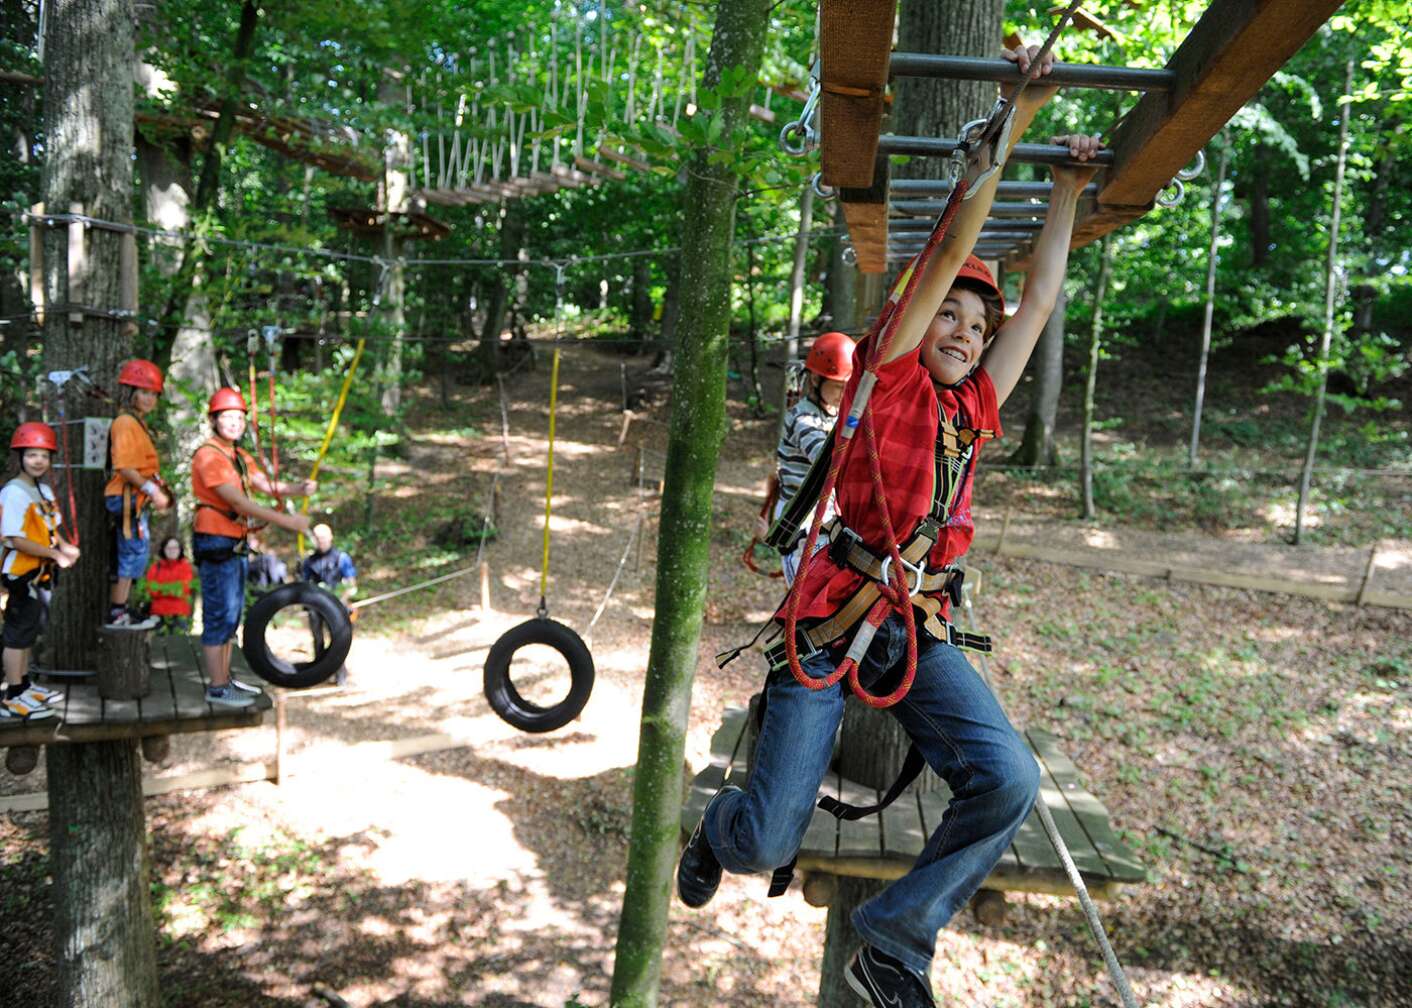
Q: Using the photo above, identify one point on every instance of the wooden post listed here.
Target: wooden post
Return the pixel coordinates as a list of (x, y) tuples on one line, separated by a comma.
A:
[(841, 941), (156, 749), (124, 663), (484, 586), (1368, 574), (504, 420), (279, 738), (127, 264)]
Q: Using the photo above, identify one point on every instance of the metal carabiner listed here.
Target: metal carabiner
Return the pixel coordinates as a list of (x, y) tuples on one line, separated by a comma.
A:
[(1172, 195), (1195, 168)]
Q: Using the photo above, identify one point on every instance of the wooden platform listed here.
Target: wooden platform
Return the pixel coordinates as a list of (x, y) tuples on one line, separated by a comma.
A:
[(885, 846), (177, 704)]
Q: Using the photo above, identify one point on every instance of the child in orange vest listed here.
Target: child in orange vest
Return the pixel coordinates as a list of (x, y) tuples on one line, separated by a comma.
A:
[(222, 475), (29, 524), (135, 481)]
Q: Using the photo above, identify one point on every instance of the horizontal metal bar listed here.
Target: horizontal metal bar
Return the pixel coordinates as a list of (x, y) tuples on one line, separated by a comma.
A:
[(933, 207), (904, 188), (1049, 154), (921, 224), (977, 68)]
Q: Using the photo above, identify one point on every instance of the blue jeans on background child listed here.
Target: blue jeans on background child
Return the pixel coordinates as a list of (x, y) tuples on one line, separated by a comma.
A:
[(965, 737), (132, 551), (222, 585)]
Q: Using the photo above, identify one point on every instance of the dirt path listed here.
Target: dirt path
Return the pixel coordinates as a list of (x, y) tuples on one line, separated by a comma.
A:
[(1271, 730)]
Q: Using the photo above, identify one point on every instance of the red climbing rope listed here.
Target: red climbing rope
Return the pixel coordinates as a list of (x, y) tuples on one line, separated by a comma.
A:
[(893, 593)]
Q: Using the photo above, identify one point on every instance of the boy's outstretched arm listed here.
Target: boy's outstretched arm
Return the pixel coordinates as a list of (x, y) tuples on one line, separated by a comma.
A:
[(966, 226), (1010, 351)]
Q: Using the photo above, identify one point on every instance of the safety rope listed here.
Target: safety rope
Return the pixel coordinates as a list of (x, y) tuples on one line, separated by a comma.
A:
[(549, 483), (332, 426)]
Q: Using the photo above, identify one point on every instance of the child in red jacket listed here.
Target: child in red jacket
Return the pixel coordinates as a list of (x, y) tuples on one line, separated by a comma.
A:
[(169, 583)]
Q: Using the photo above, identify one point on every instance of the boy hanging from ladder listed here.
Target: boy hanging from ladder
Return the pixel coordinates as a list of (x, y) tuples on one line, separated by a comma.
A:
[(932, 403)]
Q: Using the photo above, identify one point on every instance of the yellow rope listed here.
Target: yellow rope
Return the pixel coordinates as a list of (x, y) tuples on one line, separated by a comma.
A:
[(332, 426), (549, 477)]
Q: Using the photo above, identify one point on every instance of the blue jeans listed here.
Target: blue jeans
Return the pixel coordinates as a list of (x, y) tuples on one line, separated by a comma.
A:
[(222, 587), (965, 737), (132, 551)]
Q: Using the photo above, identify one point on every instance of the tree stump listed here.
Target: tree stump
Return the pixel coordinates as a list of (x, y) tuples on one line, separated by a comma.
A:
[(841, 941), (156, 748), (21, 759), (124, 663)]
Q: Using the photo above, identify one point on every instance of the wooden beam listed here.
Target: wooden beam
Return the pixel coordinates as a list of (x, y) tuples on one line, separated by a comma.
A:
[(1231, 52), (855, 40), (865, 211)]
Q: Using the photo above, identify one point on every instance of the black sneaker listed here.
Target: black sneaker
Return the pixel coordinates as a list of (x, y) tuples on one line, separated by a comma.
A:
[(884, 982), (698, 872)]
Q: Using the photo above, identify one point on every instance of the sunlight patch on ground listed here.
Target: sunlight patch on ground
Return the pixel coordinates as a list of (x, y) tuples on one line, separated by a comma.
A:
[(1100, 539)]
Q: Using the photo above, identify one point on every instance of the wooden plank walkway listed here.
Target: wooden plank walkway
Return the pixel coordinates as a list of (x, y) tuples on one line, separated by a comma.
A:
[(176, 705), (884, 847)]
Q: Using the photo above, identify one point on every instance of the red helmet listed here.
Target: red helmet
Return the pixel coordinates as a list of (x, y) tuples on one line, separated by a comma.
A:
[(831, 356), (141, 374), (34, 435), (226, 399), (974, 269)]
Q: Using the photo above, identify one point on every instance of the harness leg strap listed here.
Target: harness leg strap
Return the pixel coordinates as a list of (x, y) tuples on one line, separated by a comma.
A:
[(912, 765)]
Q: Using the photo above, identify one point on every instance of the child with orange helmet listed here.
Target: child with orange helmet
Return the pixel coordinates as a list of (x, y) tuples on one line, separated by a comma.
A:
[(936, 391), (136, 481), (809, 423), (29, 524), (222, 475)]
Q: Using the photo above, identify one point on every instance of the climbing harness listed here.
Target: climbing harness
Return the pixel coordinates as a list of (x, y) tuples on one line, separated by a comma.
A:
[(504, 698)]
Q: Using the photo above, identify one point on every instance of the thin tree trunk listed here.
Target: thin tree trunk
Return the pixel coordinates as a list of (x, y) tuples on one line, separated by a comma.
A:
[(671, 313), (640, 317), (1211, 260), (1038, 447), (104, 936), (757, 398), (796, 292), (1095, 344), (696, 430), (1306, 477), (839, 284), (512, 239), (192, 261), (395, 198), (1260, 210)]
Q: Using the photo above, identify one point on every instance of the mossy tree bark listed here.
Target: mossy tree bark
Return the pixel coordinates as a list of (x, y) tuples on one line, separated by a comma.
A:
[(683, 554), (102, 909)]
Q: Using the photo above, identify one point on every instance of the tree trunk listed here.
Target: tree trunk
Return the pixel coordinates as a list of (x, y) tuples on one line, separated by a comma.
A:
[(671, 313), (932, 107), (192, 261), (752, 335), (640, 317), (102, 911), (1038, 447), (1095, 344), (1306, 476), (1211, 259), (395, 199), (512, 240), (696, 430), (796, 292), (839, 283), (1260, 209), (103, 929), (841, 941)]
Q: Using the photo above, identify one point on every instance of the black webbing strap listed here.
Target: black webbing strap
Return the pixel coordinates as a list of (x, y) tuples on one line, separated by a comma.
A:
[(794, 519), (912, 765), (781, 877)]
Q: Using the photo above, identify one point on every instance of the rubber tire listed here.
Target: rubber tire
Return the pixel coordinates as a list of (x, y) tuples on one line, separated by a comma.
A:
[(506, 701), (296, 675)]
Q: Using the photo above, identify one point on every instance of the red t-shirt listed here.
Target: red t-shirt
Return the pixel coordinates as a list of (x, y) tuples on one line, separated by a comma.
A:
[(907, 408), (170, 587)]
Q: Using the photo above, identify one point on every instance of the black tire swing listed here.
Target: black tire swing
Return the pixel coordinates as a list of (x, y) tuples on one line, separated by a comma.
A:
[(505, 699), (329, 655), (326, 613)]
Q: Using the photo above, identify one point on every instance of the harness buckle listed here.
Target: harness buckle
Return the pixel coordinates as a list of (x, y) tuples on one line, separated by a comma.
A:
[(777, 655), (917, 571)]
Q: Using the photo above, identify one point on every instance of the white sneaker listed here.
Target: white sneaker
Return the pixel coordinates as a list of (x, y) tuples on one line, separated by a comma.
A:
[(43, 694), (245, 687), (227, 696), (24, 708)]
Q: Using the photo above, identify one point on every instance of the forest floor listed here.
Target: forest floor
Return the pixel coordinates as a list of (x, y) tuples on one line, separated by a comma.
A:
[(1252, 749)]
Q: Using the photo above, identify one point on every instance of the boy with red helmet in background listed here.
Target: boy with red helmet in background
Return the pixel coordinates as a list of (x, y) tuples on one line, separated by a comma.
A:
[(135, 482), (809, 423), (222, 475), (29, 524)]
